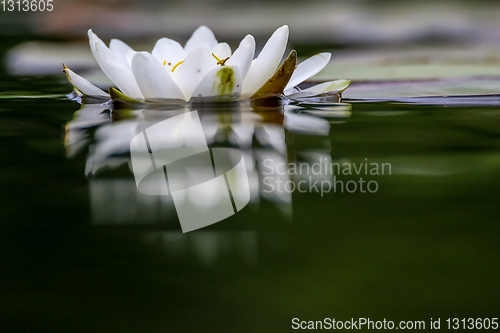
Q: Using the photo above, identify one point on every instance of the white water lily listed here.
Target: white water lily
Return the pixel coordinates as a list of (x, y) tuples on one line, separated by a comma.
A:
[(202, 69)]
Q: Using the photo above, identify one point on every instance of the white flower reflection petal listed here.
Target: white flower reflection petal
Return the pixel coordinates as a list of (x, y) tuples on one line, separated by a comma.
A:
[(222, 82), (113, 139), (264, 66), (243, 55), (301, 123), (221, 50), (153, 80), (77, 137), (169, 51), (202, 37), (113, 68), (194, 68), (120, 49), (308, 68), (83, 85)]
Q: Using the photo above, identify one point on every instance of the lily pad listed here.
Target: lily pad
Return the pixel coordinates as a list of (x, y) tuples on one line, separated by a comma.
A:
[(405, 89), (414, 63)]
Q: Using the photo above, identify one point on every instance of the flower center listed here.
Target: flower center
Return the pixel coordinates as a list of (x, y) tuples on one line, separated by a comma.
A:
[(221, 62)]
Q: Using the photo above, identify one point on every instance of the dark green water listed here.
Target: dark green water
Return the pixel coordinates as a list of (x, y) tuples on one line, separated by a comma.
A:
[(74, 257)]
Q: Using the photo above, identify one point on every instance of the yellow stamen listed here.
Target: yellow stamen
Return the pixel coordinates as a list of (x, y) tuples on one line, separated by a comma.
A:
[(177, 64), (216, 57), (164, 63), (219, 61)]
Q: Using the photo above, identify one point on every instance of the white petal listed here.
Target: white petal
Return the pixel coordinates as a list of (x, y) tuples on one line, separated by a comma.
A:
[(223, 82), (153, 79), (120, 50), (118, 73), (194, 68), (308, 68), (202, 37), (83, 85), (129, 55), (221, 50), (264, 66), (337, 85), (169, 51), (243, 55)]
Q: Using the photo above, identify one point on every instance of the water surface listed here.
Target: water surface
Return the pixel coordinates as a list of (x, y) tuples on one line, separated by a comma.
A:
[(82, 250)]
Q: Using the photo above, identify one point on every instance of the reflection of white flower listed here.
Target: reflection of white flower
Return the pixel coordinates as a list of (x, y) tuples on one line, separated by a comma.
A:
[(202, 68)]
